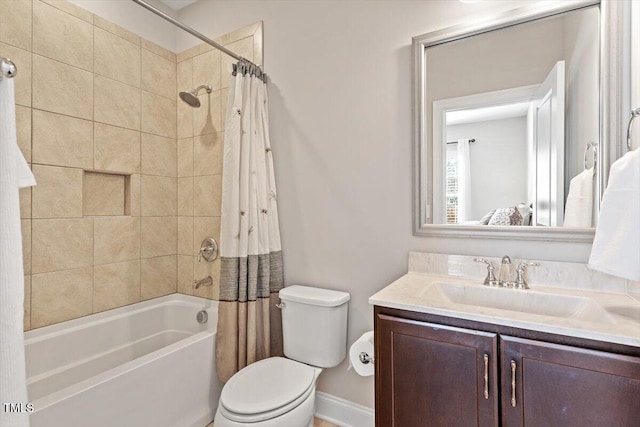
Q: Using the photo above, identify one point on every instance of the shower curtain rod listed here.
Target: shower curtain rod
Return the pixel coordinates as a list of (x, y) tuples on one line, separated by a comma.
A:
[(193, 32), (472, 140)]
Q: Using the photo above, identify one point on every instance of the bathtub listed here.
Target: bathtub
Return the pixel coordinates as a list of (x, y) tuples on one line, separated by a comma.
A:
[(147, 364)]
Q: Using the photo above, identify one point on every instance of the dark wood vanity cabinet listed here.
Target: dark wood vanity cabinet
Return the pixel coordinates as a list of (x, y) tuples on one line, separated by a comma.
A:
[(434, 375), (433, 371), (546, 384)]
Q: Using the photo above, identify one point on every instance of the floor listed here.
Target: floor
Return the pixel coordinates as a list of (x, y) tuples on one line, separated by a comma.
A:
[(316, 423)]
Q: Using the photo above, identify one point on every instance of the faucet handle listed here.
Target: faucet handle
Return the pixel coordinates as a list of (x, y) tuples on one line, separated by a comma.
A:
[(490, 280), (521, 283)]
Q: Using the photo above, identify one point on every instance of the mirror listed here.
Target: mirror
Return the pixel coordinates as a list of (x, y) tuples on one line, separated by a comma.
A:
[(508, 114)]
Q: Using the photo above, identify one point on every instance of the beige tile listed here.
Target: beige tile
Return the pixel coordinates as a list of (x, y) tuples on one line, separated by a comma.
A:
[(158, 115), (158, 196), (159, 236), (132, 195), (158, 155), (207, 195), (244, 48), (188, 54), (185, 274), (58, 244), (208, 118), (115, 29), (185, 196), (116, 149), (158, 50), (206, 69), (58, 193), (240, 33), (15, 23), (207, 154), (185, 112), (224, 106), (185, 157), (27, 303), (61, 36), (258, 47), (60, 296), (71, 8), (23, 61), (25, 227), (116, 58), (62, 140), (158, 75), (23, 131), (104, 194), (117, 104), (115, 239), (25, 202), (61, 88), (115, 285), (158, 276), (185, 235)]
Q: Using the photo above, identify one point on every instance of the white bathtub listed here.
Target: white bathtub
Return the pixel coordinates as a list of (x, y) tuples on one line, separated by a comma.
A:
[(147, 364)]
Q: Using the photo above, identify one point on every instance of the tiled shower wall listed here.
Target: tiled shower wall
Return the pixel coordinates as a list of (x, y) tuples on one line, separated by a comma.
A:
[(92, 97), (97, 121), (200, 144)]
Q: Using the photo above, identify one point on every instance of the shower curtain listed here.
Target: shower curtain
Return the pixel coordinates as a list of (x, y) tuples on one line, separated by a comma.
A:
[(249, 323), (14, 173), (464, 180)]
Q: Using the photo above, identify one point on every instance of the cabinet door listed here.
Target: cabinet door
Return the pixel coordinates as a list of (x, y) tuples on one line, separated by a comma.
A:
[(562, 386), (431, 375)]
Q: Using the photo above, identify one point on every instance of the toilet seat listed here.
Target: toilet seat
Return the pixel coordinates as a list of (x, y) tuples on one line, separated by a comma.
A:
[(266, 389)]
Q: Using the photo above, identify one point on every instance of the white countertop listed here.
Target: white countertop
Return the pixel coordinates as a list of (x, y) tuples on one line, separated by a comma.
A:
[(620, 323)]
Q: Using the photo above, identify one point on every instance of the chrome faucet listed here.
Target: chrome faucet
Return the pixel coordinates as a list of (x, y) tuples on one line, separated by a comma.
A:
[(504, 277), (490, 280), (521, 283), (207, 281)]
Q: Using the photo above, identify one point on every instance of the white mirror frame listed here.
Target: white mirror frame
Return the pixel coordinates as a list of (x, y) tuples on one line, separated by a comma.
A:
[(614, 107)]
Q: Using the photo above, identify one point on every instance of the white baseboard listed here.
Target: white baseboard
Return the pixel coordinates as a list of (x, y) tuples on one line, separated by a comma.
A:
[(343, 412)]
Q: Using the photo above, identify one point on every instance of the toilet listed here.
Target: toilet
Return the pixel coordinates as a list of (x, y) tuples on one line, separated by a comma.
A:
[(278, 391)]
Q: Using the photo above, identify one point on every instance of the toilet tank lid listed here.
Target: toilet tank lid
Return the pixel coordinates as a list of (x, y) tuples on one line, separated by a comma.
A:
[(313, 296)]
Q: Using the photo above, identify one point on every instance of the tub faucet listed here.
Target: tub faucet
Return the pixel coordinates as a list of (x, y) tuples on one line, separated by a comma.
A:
[(207, 281)]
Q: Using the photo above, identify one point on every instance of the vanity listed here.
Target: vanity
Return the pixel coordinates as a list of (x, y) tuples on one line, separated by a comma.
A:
[(451, 351)]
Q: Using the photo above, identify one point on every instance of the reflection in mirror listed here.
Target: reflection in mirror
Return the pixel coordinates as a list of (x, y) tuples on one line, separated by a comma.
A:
[(509, 114)]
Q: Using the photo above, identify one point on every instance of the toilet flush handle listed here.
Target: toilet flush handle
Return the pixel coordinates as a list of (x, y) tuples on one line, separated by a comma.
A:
[(281, 306)]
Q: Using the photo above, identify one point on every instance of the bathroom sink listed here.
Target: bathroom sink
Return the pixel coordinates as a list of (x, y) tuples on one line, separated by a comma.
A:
[(524, 301)]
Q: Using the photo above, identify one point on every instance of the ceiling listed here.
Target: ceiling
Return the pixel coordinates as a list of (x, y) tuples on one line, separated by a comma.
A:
[(487, 113), (178, 4)]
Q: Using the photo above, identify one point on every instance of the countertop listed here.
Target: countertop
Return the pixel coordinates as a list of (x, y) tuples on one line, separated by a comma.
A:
[(618, 322)]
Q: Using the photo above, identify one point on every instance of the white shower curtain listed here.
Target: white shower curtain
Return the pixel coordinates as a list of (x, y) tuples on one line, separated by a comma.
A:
[(464, 181), (249, 325), (14, 173)]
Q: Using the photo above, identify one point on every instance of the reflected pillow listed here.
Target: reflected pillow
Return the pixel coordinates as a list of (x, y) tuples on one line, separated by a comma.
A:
[(506, 216), (485, 219)]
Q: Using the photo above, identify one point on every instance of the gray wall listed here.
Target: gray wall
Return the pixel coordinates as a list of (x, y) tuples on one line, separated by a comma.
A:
[(341, 130), (498, 163)]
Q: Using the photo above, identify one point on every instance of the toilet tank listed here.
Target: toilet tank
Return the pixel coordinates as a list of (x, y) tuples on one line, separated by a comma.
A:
[(314, 325)]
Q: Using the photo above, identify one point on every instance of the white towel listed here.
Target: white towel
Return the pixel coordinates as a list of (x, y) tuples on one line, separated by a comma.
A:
[(13, 172), (616, 247), (579, 207)]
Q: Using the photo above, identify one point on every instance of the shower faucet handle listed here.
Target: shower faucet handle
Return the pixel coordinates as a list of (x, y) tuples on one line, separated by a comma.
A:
[(208, 250)]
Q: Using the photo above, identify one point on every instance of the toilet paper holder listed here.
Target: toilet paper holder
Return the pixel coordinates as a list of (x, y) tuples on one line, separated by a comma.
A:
[(365, 359)]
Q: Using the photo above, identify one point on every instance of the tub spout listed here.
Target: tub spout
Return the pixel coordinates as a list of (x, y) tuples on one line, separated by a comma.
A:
[(207, 281)]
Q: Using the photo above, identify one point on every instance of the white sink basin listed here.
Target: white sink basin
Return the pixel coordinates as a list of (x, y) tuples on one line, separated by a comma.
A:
[(523, 301)]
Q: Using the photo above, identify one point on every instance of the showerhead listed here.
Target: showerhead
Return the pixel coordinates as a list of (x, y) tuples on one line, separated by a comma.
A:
[(191, 97)]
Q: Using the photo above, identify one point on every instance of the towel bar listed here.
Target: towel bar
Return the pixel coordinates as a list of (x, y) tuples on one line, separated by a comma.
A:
[(634, 113)]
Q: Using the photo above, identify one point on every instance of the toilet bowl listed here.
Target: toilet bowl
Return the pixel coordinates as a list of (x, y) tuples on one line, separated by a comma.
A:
[(274, 392), (278, 391)]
